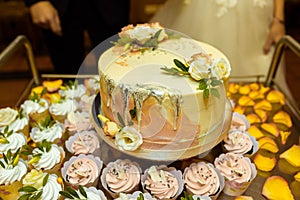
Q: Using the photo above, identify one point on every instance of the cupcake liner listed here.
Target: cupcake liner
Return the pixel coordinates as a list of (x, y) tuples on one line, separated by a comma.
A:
[(35, 117), (59, 118), (221, 182), (172, 170), (69, 142), (106, 170), (233, 188), (95, 191), (68, 163), (197, 196), (10, 191)]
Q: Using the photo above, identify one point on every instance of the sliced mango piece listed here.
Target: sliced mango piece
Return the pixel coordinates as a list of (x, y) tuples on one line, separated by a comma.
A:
[(263, 115), (263, 105), (297, 177), (254, 86), (263, 89), (268, 144), (277, 188), (244, 90), (276, 96), (233, 88), (284, 135), (255, 132), (243, 198), (284, 118), (37, 90), (53, 97), (256, 95), (264, 163), (270, 128), (253, 118), (292, 155), (53, 86), (285, 167), (245, 101)]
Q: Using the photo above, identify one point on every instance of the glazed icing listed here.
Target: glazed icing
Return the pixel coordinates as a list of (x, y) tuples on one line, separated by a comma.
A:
[(48, 133), (10, 174), (122, 176), (238, 142), (201, 178)]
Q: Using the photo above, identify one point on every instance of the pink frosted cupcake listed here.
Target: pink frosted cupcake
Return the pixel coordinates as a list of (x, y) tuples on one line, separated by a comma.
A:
[(203, 179), (238, 172), (86, 102), (162, 182), (239, 122), (85, 142), (82, 170), (78, 121), (121, 176), (240, 142)]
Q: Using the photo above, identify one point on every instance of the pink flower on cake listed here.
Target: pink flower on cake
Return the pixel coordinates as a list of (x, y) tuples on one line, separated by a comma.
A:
[(128, 139)]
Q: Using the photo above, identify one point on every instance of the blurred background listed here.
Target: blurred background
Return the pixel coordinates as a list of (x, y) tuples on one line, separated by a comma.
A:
[(15, 20)]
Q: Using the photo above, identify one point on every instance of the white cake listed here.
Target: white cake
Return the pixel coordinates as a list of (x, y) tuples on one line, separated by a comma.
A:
[(174, 118)]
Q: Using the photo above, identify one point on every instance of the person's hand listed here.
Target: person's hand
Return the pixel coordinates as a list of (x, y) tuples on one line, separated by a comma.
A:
[(277, 30), (46, 16)]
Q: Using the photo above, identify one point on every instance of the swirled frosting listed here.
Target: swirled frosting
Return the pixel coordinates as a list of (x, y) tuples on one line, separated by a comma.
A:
[(239, 122), (73, 92), (238, 142), (78, 121), (161, 185), (85, 142), (15, 141), (86, 102), (201, 178), (9, 174), (82, 171), (30, 107), (48, 159), (64, 107), (122, 176), (92, 194), (7, 116), (134, 196), (234, 167), (19, 123), (47, 133)]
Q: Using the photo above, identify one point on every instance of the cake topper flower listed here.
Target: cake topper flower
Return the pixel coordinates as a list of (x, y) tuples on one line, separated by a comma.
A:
[(208, 72)]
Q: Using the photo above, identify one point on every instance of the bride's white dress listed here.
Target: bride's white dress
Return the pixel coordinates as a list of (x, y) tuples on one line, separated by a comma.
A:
[(238, 28)]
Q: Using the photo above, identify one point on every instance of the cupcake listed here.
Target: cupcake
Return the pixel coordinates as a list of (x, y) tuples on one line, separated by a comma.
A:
[(162, 182), (7, 116), (60, 110), (239, 122), (92, 84), (72, 90), (238, 172), (47, 186), (12, 170), (203, 179), (86, 102), (49, 130), (82, 170), (21, 123), (194, 197), (90, 193), (78, 121), (48, 157), (36, 108), (10, 140), (135, 195), (121, 176), (240, 142), (85, 142)]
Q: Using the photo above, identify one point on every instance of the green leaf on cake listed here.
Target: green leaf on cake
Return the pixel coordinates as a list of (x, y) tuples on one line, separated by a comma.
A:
[(180, 65), (45, 180), (65, 194), (82, 191), (2, 165), (206, 93), (121, 120), (140, 197), (215, 92), (24, 197), (215, 82), (202, 84), (27, 189)]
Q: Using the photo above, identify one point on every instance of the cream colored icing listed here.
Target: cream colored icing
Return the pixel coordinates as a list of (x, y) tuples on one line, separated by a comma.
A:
[(201, 178), (48, 159), (73, 92), (86, 102), (30, 107), (82, 171), (239, 122), (238, 142), (234, 167), (92, 194), (165, 188), (15, 141), (64, 107), (48, 133), (19, 123), (78, 121), (7, 116), (85, 142), (122, 176), (10, 174)]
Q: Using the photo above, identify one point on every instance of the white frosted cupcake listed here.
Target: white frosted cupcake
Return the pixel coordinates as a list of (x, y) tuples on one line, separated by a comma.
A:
[(73, 90), (47, 157), (86, 142), (47, 185), (37, 109), (162, 182), (12, 170), (203, 179), (82, 170), (90, 193), (135, 195), (78, 121), (238, 172), (11, 140), (240, 142), (60, 110), (21, 123), (49, 130), (121, 176)]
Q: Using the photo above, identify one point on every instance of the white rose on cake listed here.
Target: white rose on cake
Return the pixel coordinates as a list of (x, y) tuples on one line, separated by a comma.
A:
[(221, 69), (199, 69), (128, 139), (7, 116)]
